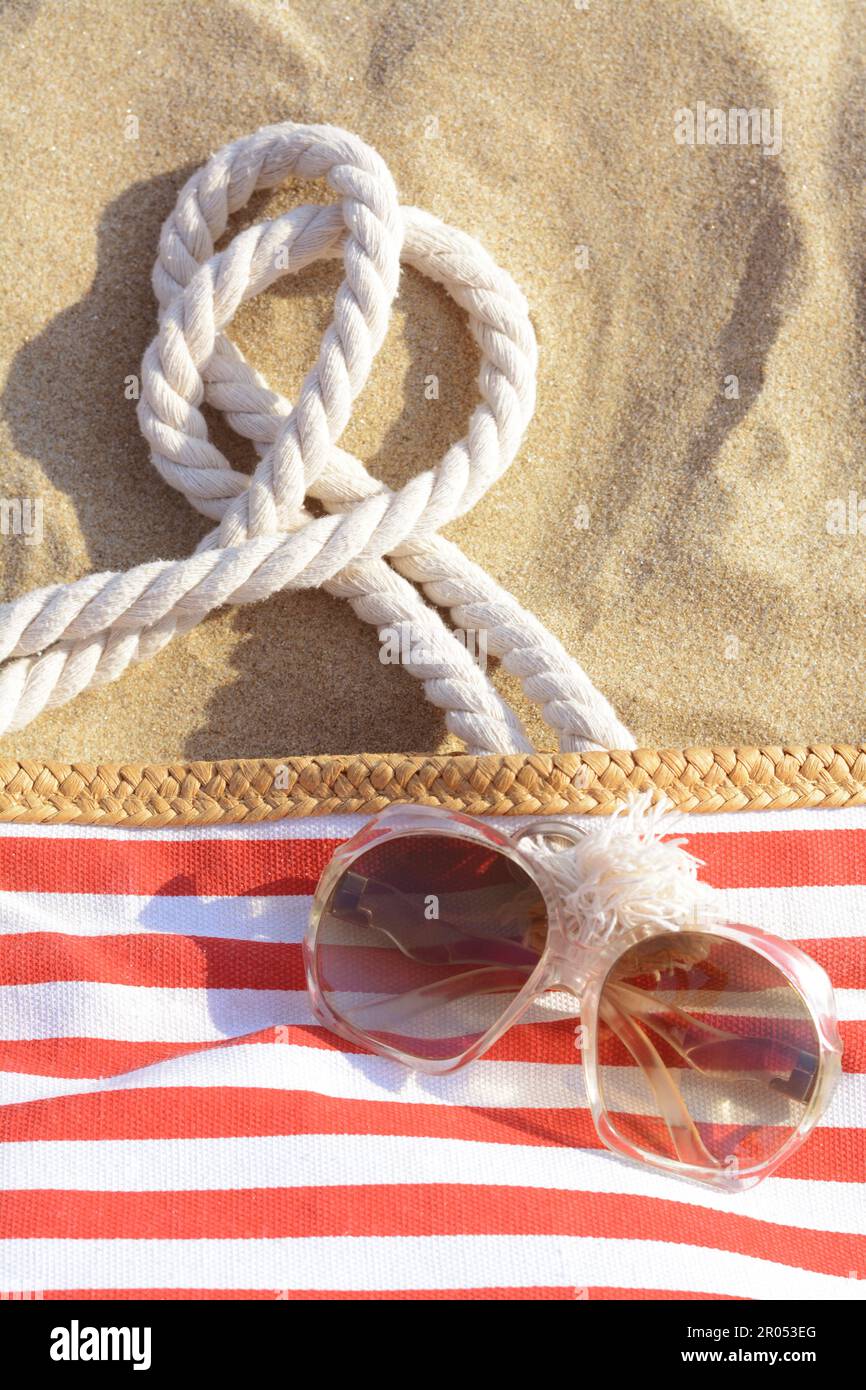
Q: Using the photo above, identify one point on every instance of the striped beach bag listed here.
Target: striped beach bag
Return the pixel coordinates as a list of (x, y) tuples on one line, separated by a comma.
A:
[(177, 1124), (176, 1121)]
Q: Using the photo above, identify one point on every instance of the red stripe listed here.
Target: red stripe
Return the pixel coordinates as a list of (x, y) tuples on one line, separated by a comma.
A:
[(593, 1293), (612, 1052), (781, 858), (542, 1043), (173, 868), (555, 1043), (174, 961), (203, 962), (830, 1154), (167, 962), (414, 1209), (843, 957), (733, 859), (223, 1112), (657, 1295)]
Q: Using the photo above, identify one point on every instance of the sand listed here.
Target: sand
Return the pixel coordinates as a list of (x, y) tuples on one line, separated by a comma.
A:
[(706, 595)]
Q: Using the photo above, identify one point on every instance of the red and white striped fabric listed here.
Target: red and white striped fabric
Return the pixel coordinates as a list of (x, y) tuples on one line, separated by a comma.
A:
[(174, 1124)]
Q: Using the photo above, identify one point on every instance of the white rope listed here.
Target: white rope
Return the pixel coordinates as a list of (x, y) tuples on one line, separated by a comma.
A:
[(57, 641)]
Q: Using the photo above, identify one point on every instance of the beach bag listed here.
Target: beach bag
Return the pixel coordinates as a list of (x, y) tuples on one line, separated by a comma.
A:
[(174, 1121)]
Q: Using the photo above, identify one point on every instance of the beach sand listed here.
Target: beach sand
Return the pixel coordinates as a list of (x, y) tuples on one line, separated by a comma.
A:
[(705, 596)]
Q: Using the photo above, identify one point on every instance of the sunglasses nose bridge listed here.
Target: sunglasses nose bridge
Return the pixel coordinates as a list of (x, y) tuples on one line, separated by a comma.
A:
[(548, 831), (570, 962)]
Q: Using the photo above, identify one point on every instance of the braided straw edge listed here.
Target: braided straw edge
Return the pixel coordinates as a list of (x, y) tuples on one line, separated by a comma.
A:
[(262, 789)]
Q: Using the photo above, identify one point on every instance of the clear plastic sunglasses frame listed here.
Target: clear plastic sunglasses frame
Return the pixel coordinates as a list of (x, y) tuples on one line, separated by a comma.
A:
[(581, 969)]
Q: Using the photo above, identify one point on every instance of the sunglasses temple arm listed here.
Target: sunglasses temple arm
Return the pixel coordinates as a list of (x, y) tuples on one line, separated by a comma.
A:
[(637, 1002), (671, 1106), (414, 1002)]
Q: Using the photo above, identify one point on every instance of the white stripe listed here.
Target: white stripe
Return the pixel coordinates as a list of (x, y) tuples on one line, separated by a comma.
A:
[(777, 1003), (408, 1262), (365, 1077), (292, 828), (148, 1013), (336, 1160), (144, 1013), (270, 918), (819, 818), (343, 827), (813, 912), (806, 913)]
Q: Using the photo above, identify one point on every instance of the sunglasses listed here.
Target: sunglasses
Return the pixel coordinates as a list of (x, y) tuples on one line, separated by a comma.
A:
[(709, 1051)]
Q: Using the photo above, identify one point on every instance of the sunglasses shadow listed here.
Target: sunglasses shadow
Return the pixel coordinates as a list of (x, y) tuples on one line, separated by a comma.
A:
[(253, 980)]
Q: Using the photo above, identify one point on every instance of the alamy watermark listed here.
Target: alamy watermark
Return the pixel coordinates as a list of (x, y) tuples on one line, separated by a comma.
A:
[(22, 516), (846, 516), (403, 645), (738, 125), (77, 1343)]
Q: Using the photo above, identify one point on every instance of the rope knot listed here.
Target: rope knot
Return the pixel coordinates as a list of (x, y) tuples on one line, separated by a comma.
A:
[(372, 545)]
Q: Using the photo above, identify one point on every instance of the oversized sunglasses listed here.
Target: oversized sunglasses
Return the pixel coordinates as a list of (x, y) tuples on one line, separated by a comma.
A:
[(709, 1051)]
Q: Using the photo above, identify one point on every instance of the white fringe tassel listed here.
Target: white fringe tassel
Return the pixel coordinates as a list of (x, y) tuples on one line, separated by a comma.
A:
[(627, 871)]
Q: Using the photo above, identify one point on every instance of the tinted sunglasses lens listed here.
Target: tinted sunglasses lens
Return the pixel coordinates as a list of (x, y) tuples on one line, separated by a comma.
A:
[(426, 940), (708, 1055)]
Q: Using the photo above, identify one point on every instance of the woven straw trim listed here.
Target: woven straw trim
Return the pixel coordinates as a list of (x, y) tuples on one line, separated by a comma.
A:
[(201, 793)]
